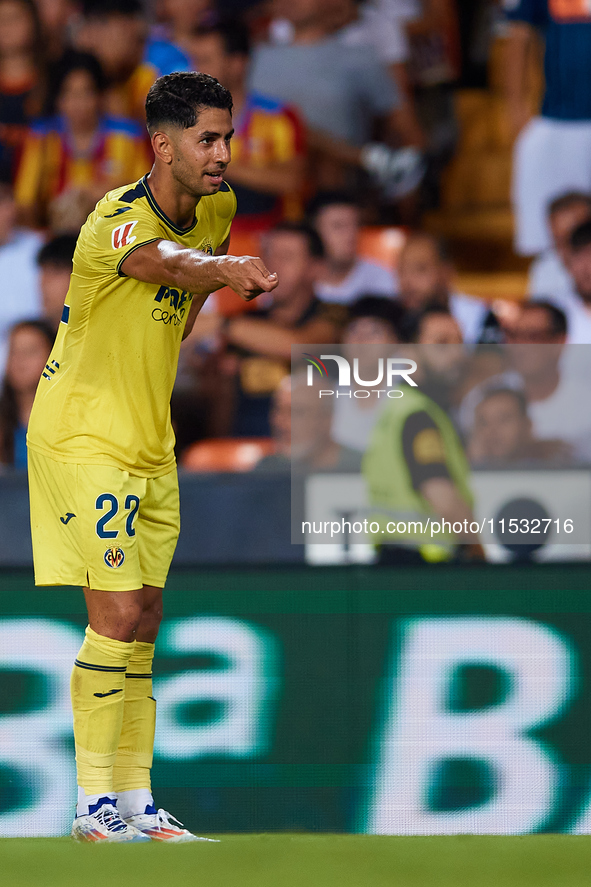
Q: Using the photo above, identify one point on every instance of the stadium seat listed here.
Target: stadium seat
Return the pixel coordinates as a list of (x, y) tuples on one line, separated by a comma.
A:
[(382, 244), (242, 243), (475, 189), (496, 285), (226, 454)]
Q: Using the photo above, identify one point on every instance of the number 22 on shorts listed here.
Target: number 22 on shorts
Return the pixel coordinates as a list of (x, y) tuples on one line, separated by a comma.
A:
[(107, 500)]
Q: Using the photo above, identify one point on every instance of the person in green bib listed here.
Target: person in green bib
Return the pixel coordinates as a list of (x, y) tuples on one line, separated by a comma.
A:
[(418, 482)]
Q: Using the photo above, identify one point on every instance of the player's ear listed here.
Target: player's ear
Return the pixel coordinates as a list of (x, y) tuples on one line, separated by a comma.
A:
[(162, 146)]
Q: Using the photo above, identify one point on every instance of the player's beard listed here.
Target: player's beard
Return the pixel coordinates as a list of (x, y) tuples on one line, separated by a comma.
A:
[(192, 184)]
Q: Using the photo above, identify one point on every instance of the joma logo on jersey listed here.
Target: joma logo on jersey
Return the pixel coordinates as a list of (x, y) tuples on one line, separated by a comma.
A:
[(175, 298), (122, 235)]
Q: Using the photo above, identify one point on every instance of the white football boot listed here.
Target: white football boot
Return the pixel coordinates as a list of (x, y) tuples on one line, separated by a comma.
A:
[(158, 825), (103, 823)]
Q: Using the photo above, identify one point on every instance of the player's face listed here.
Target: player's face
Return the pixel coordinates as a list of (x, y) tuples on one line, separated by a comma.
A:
[(202, 153)]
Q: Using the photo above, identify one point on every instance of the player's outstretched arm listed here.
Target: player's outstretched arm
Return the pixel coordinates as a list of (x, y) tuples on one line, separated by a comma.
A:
[(198, 301), (165, 262)]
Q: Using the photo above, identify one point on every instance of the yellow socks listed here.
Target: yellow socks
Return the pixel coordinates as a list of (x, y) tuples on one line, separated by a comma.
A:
[(98, 695), (114, 719), (136, 744)]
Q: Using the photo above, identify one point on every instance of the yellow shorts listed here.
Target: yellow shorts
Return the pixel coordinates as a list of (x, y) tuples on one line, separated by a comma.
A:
[(101, 527)]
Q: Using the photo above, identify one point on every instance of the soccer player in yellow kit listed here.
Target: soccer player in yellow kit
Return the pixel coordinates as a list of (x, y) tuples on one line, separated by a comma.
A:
[(102, 474)]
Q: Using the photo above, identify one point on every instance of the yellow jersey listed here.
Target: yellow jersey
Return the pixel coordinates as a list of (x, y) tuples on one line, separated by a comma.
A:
[(104, 396)]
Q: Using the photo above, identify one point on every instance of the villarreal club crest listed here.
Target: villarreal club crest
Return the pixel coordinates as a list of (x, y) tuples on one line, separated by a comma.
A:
[(114, 557)]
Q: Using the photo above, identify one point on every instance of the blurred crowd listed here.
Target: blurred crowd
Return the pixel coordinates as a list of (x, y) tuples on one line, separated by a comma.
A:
[(344, 121)]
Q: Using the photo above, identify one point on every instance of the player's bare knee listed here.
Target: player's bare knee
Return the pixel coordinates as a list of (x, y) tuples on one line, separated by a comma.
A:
[(152, 605), (125, 620), (152, 616)]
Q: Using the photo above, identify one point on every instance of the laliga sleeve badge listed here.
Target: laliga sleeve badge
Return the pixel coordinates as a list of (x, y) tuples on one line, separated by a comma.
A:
[(122, 235), (114, 557)]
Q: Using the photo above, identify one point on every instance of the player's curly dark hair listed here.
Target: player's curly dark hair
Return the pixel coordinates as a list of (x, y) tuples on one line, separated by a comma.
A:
[(177, 99)]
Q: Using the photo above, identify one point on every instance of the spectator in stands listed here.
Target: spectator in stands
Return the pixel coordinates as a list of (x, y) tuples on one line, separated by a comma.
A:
[(553, 379), (301, 428), (437, 326), (425, 272), (341, 92), (57, 23), (373, 320), (280, 424), (55, 267), (18, 270), (268, 147), (21, 64), (549, 275), (537, 323), (170, 39), (261, 340), (73, 157), (415, 468), (578, 307), (502, 432), (30, 343), (553, 151), (343, 275), (443, 366), (378, 28), (434, 64), (116, 32)]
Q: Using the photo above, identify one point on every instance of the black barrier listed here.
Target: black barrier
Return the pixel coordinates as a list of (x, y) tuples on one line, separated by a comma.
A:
[(225, 519), (245, 518)]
